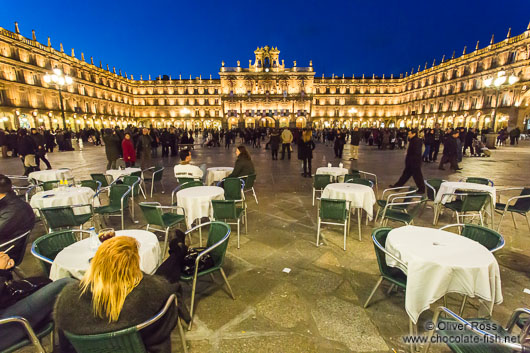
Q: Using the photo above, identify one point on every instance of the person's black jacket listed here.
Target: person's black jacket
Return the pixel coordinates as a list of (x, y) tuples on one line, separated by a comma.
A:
[(355, 138), (305, 149), (143, 145), (450, 146), (243, 166), (470, 136), (112, 146), (16, 218), (275, 141), (39, 142), (3, 139), (429, 139), (5, 297), (413, 157), (26, 145)]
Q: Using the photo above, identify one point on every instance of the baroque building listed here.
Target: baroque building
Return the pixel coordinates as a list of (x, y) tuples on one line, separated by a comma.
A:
[(266, 92)]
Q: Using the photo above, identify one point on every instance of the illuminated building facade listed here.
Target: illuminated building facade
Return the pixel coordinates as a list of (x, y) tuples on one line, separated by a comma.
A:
[(266, 92)]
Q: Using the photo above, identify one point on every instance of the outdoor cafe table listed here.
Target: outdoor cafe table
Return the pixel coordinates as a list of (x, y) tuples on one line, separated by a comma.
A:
[(335, 172), (439, 262), (74, 260), (116, 173), (449, 187), (65, 196), (217, 174), (51, 175), (196, 201)]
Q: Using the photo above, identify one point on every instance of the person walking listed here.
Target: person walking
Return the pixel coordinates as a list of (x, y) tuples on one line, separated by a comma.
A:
[(274, 144), (470, 136), (429, 142), (435, 147), (412, 163), (40, 153), (143, 147), (355, 139), (305, 151), (450, 152), (112, 148), (3, 143), (129, 155), (338, 145), (26, 149), (287, 139)]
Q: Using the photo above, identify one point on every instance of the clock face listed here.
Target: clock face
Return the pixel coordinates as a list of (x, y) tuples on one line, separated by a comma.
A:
[(267, 70)]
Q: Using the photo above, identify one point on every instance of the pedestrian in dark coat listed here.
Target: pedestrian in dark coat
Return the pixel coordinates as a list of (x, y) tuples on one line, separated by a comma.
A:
[(305, 151), (450, 152), (338, 146), (274, 144), (143, 148), (413, 163), (40, 153), (27, 148), (112, 148)]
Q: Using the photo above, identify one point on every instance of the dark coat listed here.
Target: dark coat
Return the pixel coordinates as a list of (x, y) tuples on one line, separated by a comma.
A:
[(305, 149), (16, 218), (112, 146), (26, 145), (275, 141), (143, 145), (450, 146), (355, 138), (413, 158), (73, 311), (243, 166)]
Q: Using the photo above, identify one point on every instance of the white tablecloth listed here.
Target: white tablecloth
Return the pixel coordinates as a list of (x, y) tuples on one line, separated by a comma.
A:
[(66, 196), (448, 187), (51, 175), (188, 170), (441, 262), (196, 201), (360, 196), (116, 173), (217, 174), (336, 172), (73, 261)]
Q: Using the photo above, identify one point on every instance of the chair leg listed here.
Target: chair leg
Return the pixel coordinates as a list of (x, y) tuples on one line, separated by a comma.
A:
[(527, 221), (345, 232), (182, 338), (513, 219), (462, 306), (238, 233), (313, 196), (500, 221), (200, 233), (164, 248), (152, 187), (255, 197), (359, 221), (318, 232), (122, 220), (246, 222), (411, 333), (379, 281), (481, 218), (390, 289), (194, 285), (227, 284)]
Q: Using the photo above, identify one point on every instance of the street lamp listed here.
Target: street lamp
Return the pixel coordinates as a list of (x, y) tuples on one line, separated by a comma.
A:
[(502, 80), (59, 79)]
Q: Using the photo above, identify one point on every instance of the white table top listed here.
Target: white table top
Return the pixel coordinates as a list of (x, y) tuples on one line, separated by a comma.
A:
[(73, 261), (360, 196), (217, 174), (335, 171), (188, 170), (196, 201), (116, 173), (66, 196), (448, 187), (51, 175), (440, 262)]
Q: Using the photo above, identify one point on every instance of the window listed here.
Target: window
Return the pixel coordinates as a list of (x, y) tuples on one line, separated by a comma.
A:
[(327, 90), (511, 57)]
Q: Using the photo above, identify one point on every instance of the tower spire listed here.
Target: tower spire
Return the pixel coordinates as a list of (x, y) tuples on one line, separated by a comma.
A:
[(476, 47), (492, 39), (61, 47), (509, 32), (453, 56), (465, 48), (17, 31), (49, 42), (33, 35)]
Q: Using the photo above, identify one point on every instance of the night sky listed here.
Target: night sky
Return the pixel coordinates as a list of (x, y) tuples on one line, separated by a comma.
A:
[(193, 37)]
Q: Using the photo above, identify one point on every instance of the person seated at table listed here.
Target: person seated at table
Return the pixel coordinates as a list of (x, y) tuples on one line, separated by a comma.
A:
[(36, 308), (114, 294), (186, 168), (16, 215), (244, 165)]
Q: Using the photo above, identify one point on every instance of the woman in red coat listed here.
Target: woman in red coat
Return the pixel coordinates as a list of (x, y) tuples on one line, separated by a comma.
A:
[(129, 155)]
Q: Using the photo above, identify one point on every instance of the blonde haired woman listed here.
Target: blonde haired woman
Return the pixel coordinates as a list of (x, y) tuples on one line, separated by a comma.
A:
[(305, 151), (114, 294)]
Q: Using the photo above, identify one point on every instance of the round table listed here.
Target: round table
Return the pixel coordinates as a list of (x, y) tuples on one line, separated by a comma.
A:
[(439, 262), (360, 196), (73, 261), (116, 173), (335, 172), (196, 201), (51, 175), (65, 196), (217, 174)]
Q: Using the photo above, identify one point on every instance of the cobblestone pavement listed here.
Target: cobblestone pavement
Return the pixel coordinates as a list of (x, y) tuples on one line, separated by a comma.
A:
[(317, 307)]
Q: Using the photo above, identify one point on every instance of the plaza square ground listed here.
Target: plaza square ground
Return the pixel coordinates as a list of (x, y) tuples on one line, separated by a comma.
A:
[(318, 306)]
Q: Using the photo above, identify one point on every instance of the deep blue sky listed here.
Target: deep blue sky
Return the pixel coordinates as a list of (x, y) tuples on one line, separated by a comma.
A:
[(193, 37)]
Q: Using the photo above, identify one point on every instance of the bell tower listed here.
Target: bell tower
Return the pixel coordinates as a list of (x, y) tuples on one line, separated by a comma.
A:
[(266, 58)]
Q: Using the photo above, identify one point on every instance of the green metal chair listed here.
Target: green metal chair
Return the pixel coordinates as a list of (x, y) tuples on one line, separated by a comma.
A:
[(128, 340), (118, 201), (491, 240), (65, 217), (355, 174), (520, 206), (140, 175), (102, 178), (93, 184), (464, 204), (368, 176), (493, 332), (186, 179), (33, 338), (135, 183), (216, 246), (333, 210), (46, 247), (189, 184), (403, 209), (234, 188), (18, 248), (50, 185), (433, 185), (155, 216), (320, 181), (478, 180), (392, 193), (249, 185), (157, 173), (224, 210), (361, 182)]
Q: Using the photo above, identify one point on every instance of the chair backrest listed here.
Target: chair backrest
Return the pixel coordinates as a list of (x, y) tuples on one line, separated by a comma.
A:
[(333, 209), (122, 341), (249, 181), (137, 174), (59, 217), (50, 245), (433, 184), (219, 231), (158, 173), (50, 185), (93, 184), (474, 201), (117, 191), (321, 181), (190, 184), (17, 253), (224, 209), (379, 236), (184, 179), (485, 236), (414, 209), (479, 180), (523, 204), (360, 181), (101, 178), (233, 187), (152, 213), (133, 182)]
